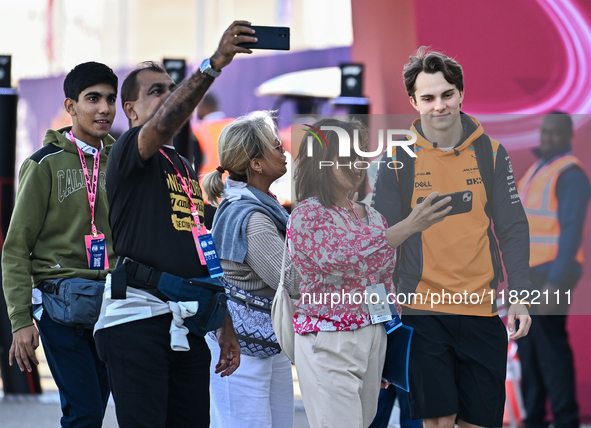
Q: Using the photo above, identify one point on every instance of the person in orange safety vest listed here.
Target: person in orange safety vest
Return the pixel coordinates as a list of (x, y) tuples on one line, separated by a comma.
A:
[(207, 131), (554, 192)]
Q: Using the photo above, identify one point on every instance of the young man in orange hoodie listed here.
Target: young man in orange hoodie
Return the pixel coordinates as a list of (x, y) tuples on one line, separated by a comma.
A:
[(459, 349)]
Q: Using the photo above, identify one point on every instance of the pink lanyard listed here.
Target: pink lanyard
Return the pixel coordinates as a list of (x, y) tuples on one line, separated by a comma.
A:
[(91, 185), (356, 215), (187, 189)]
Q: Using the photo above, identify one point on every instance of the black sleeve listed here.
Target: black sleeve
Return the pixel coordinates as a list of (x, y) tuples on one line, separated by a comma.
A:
[(386, 193), (572, 192), (510, 223), (125, 156)]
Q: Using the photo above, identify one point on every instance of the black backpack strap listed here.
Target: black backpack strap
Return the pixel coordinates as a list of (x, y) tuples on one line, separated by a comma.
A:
[(406, 184), (406, 179), (486, 165)]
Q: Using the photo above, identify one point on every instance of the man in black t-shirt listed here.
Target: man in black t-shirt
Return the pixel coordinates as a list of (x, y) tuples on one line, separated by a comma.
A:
[(150, 215)]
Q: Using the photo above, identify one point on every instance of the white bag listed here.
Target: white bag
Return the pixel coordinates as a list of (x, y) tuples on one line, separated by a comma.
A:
[(282, 312)]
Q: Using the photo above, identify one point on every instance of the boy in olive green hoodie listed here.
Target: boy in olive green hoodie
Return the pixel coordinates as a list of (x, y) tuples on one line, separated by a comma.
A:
[(46, 241)]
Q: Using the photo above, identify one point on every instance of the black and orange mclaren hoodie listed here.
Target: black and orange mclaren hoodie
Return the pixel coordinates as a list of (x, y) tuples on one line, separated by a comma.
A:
[(450, 267)]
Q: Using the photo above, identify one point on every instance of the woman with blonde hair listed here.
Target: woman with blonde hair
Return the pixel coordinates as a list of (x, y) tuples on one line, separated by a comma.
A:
[(249, 233), (344, 250)]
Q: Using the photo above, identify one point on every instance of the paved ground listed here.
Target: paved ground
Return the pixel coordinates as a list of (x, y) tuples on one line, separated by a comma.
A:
[(43, 411)]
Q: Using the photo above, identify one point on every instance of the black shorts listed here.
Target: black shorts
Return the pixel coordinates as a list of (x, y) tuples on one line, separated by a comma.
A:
[(458, 365)]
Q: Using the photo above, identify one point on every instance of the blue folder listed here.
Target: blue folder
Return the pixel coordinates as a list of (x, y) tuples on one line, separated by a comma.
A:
[(397, 356)]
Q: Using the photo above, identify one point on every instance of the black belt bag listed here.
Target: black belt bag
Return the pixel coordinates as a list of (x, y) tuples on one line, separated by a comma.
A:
[(209, 292), (74, 302)]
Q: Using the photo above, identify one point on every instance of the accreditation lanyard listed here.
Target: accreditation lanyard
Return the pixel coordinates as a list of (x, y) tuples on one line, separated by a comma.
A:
[(199, 231), (91, 185), (96, 248), (346, 219), (186, 188)]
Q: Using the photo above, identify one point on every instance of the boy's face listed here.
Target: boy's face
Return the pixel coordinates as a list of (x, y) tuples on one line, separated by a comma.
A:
[(437, 100), (93, 113)]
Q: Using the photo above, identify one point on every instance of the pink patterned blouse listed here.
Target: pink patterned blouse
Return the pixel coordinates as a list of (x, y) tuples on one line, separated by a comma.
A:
[(335, 259)]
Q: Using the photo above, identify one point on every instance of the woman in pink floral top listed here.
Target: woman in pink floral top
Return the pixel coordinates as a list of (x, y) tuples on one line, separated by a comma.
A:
[(340, 247), (336, 262)]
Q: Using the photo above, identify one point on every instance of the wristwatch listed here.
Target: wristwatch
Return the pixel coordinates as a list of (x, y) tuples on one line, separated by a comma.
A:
[(207, 69)]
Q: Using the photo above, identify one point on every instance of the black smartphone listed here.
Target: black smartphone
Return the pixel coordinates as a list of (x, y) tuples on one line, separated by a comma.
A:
[(461, 202), (276, 38)]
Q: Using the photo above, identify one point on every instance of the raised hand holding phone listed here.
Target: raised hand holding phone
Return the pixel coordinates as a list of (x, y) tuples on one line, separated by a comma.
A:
[(274, 38)]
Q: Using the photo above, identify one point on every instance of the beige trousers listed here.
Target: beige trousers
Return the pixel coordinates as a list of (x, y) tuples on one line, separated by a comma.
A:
[(340, 374)]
